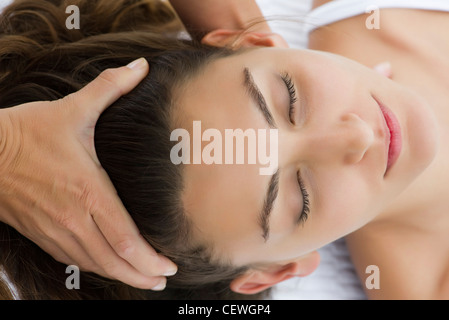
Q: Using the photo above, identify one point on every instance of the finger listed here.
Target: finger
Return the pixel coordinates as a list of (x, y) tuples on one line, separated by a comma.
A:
[(110, 85), (69, 252), (122, 234), (54, 251), (112, 265), (76, 256)]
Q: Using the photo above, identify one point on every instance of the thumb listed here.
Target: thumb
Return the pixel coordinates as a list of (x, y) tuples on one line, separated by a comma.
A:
[(110, 85), (90, 102)]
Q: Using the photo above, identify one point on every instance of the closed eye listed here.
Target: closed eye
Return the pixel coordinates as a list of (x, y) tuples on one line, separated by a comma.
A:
[(292, 94), (304, 214)]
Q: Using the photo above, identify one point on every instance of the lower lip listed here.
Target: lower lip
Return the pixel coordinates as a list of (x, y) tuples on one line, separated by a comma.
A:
[(395, 146)]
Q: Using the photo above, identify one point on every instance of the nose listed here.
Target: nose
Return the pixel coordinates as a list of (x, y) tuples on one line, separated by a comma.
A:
[(345, 141), (354, 139)]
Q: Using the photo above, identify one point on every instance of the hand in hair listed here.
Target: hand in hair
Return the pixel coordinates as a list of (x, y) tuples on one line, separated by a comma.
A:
[(54, 191)]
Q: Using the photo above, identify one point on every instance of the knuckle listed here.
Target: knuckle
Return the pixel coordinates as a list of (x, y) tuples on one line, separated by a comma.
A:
[(71, 214), (67, 222), (125, 247), (109, 76), (111, 270), (67, 101), (85, 195), (67, 106)]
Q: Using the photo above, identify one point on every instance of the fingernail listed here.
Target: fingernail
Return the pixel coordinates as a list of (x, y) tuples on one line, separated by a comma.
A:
[(383, 68), (170, 272), (160, 286), (137, 64)]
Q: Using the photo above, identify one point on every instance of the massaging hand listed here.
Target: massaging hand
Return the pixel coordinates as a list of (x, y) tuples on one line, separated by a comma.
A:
[(54, 191)]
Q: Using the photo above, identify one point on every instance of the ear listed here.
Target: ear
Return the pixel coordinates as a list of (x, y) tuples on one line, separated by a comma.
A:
[(255, 281), (236, 39)]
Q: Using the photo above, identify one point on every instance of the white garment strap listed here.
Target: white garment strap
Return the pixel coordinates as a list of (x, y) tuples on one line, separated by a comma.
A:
[(342, 9)]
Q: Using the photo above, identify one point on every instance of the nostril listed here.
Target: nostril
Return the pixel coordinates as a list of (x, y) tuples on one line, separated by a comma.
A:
[(358, 136), (350, 117), (358, 147)]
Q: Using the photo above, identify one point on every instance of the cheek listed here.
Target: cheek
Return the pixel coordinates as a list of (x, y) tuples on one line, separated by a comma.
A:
[(329, 75), (343, 202)]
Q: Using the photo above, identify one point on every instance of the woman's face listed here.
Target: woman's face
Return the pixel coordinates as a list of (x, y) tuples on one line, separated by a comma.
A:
[(333, 151)]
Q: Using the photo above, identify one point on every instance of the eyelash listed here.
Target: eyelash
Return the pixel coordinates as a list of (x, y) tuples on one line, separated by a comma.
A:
[(292, 93), (305, 196), (293, 99)]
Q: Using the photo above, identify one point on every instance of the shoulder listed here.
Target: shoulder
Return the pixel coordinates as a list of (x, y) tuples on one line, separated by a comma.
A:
[(409, 265)]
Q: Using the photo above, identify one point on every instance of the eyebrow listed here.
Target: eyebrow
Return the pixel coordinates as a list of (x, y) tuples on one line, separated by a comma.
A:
[(273, 185), (270, 197), (258, 97)]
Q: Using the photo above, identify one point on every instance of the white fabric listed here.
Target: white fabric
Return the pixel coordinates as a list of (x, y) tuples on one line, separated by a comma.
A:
[(342, 9), (335, 279), (287, 17)]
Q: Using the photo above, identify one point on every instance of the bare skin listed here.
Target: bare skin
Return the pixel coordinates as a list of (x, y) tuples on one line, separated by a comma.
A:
[(410, 246), (336, 143), (411, 251)]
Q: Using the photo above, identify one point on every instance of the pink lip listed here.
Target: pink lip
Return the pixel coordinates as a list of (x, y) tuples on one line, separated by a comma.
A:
[(394, 137)]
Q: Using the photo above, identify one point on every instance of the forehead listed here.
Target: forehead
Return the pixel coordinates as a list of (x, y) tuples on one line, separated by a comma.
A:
[(223, 200), (217, 94)]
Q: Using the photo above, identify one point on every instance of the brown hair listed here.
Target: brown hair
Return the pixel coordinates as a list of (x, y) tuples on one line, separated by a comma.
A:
[(40, 59)]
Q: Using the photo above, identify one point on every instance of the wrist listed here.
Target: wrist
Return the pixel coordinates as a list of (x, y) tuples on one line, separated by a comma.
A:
[(8, 152), (9, 141)]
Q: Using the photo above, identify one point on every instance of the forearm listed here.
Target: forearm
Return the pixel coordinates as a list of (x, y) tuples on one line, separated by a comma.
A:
[(9, 148), (203, 16)]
